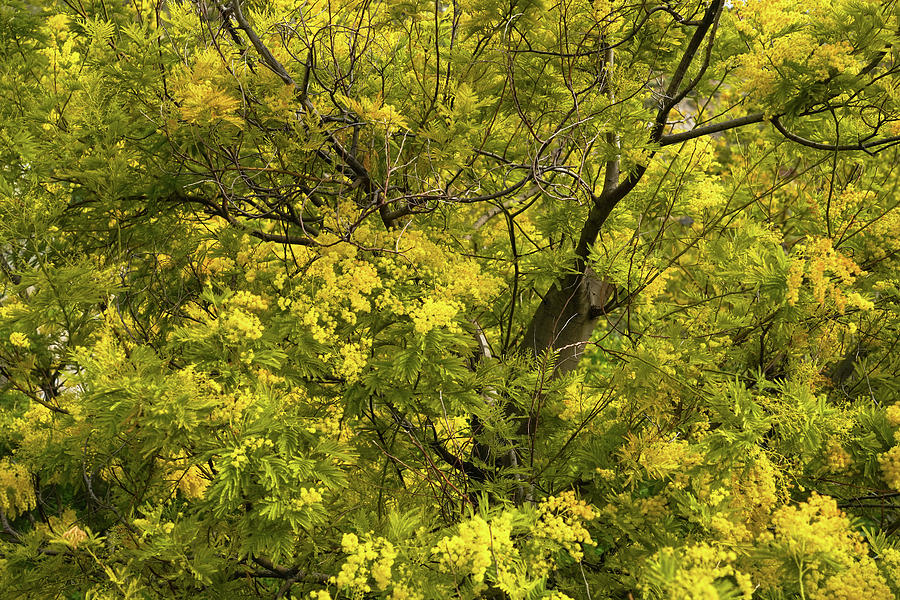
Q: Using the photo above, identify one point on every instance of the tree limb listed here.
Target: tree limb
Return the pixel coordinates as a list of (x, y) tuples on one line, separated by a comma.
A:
[(675, 138), (864, 146)]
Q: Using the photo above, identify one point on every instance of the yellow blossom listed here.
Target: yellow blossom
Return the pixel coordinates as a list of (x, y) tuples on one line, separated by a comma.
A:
[(19, 339), (892, 413), (370, 559), (192, 483), (861, 581), (562, 520), (472, 551), (238, 325), (435, 313), (890, 467), (836, 457), (696, 572), (16, 489)]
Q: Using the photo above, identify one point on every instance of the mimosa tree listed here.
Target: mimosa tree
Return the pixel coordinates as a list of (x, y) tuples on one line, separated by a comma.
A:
[(353, 299)]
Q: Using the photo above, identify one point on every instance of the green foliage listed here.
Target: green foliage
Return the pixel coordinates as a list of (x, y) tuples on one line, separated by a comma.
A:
[(414, 300)]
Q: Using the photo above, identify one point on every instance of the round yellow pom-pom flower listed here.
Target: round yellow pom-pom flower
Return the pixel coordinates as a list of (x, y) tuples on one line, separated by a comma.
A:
[(892, 414), (890, 467)]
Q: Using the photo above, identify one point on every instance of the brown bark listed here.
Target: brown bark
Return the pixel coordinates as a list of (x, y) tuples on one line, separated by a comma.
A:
[(565, 320)]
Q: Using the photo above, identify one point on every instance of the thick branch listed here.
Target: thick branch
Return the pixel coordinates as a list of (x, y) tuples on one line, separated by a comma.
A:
[(568, 313), (675, 138), (673, 95), (706, 57), (34, 397), (292, 574), (601, 207), (864, 146), (611, 177)]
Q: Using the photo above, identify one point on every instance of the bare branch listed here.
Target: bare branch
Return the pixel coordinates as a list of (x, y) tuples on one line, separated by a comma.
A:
[(864, 146), (675, 138)]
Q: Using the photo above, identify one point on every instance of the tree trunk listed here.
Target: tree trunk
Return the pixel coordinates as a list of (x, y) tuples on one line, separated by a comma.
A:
[(565, 320)]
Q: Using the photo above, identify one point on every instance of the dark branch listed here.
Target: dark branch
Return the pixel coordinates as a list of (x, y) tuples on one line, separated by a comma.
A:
[(864, 146), (675, 138)]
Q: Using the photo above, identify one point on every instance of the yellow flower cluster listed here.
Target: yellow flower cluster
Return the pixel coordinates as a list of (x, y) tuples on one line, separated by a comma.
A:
[(249, 301), (268, 378), (561, 519), (230, 407), (453, 277), (836, 457), (847, 204), (707, 192), (16, 490), (37, 427), (340, 287), (825, 268), (321, 324), (661, 458), (404, 592), (892, 413), (698, 573), (330, 422), (627, 513), (353, 359), (435, 313), (889, 561), (759, 68), (654, 507), (58, 23), (784, 42), (240, 456), (19, 339), (239, 326), (856, 299), (371, 559), (310, 495), (473, 549), (656, 281), (890, 460), (794, 282), (890, 467), (62, 55), (192, 483), (860, 581), (827, 57), (10, 307), (815, 532), (754, 492)]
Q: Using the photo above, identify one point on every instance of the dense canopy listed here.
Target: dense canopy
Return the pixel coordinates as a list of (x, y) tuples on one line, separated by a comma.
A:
[(441, 299)]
